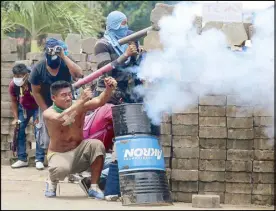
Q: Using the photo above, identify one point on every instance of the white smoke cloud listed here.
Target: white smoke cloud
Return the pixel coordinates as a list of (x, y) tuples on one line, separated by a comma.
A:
[(193, 65)]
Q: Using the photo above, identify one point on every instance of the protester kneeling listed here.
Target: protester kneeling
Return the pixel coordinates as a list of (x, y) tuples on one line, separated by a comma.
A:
[(67, 152)]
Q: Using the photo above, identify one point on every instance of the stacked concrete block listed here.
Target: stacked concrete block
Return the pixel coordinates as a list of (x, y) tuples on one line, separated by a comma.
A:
[(212, 134), (263, 154), (239, 151), (165, 139), (185, 145)]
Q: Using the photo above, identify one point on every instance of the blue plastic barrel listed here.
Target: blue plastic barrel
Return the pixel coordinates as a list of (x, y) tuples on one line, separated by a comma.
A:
[(139, 152)]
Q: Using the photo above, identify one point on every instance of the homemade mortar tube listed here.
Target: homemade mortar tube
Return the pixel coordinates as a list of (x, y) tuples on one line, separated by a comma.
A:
[(113, 64)]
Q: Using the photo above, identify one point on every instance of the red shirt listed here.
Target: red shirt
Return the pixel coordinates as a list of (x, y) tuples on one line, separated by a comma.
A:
[(26, 99)]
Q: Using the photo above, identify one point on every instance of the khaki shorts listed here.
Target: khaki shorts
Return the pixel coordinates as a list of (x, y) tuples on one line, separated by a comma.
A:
[(74, 161)]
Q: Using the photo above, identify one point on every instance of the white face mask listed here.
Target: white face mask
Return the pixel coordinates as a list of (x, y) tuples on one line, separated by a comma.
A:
[(18, 81)]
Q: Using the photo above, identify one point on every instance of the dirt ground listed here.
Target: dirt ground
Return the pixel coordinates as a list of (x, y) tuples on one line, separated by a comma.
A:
[(24, 189)]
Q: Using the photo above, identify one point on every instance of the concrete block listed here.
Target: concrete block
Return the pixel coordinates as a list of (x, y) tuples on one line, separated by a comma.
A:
[(84, 66), (167, 162), (212, 132), (26, 62), (166, 118), (3, 139), (212, 111), (235, 33), (78, 57), (8, 45), (239, 122), (239, 111), (185, 130), (34, 56), (240, 144), (212, 165), (238, 188), (187, 153), (211, 176), (239, 166), (237, 154), (263, 121), (185, 164), (221, 194), (237, 199), (212, 121), (263, 166), (251, 32), (5, 129), (6, 121), (165, 140), (238, 177), (168, 173), (240, 133), (5, 161), (189, 110), (160, 10), (206, 201), (212, 186), (211, 143), (74, 43), (7, 74), (4, 89), (211, 25), (237, 100), (87, 45), (165, 129), (92, 58), (263, 155), (5, 82), (11, 57), (264, 132), (185, 141), (166, 152), (263, 178), (263, 111), (212, 154), (184, 175), (263, 189), (185, 119), (182, 197), (187, 187), (214, 100), (263, 200), (5, 97), (152, 41), (5, 145)]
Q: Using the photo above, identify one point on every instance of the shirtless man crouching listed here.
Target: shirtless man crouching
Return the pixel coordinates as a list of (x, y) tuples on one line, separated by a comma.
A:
[(67, 152)]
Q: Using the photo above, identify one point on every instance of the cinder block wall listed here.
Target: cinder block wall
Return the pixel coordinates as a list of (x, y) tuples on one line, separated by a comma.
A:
[(219, 146)]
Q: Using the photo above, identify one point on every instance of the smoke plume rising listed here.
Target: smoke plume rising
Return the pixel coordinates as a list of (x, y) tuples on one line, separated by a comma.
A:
[(193, 65)]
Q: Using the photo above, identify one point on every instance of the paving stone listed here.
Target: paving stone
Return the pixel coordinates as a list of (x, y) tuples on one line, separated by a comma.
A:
[(210, 111), (212, 143), (185, 141), (212, 132), (238, 166), (212, 121), (206, 201), (215, 100)]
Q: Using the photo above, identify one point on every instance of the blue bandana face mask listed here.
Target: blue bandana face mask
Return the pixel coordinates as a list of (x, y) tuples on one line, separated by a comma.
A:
[(53, 61), (121, 32)]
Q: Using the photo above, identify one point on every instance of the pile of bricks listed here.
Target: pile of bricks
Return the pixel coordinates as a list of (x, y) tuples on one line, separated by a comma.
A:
[(220, 147)]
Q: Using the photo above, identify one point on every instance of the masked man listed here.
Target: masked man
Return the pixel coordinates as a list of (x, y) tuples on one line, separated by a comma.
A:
[(54, 67), (108, 49), (68, 153), (23, 108)]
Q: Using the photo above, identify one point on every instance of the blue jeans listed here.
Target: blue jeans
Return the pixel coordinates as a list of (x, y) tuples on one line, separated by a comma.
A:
[(21, 147)]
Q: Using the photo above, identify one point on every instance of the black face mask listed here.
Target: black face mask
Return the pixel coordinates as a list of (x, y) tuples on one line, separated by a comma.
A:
[(53, 63)]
